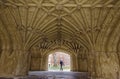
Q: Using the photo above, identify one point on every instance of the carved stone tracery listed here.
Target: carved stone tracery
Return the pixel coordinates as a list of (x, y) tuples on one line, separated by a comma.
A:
[(72, 25)]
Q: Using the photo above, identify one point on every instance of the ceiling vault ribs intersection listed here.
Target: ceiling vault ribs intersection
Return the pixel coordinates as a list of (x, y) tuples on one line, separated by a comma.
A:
[(86, 22)]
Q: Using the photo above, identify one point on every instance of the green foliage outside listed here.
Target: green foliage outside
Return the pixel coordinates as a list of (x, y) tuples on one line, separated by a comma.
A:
[(58, 68)]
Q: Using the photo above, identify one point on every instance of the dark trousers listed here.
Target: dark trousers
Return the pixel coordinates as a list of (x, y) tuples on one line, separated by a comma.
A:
[(61, 67)]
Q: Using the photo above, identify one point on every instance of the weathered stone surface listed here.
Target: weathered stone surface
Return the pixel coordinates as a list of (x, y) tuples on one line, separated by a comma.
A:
[(88, 30)]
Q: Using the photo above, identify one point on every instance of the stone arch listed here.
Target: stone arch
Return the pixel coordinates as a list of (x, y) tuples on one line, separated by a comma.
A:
[(43, 59), (59, 50), (64, 52)]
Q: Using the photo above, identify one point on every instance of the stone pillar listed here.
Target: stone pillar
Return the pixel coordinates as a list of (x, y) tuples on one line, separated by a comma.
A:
[(71, 63), (45, 63), (29, 61), (7, 63), (91, 64), (82, 63), (22, 63), (74, 63), (36, 63), (105, 65), (41, 64), (14, 63)]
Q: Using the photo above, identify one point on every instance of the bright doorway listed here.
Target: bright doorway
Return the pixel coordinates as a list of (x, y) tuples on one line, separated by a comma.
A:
[(54, 61)]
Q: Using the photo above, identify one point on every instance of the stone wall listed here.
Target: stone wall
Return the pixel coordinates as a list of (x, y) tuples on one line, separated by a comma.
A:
[(72, 25)]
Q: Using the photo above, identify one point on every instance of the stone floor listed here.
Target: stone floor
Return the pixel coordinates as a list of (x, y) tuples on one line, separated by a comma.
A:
[(53, 75)]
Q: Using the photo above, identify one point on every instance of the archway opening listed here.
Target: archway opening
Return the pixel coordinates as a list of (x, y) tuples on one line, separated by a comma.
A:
[(55, 60)]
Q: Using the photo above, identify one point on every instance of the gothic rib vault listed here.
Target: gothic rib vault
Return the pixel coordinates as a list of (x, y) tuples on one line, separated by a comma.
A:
[(87, 29)]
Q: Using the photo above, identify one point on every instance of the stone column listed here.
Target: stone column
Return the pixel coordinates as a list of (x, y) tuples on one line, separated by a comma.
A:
[(7, 63), (22, 63), (41, 64), (82, 63), (90, 62), (71, 63), (14, 63), (45, 60), (75, 63), (105, 65)]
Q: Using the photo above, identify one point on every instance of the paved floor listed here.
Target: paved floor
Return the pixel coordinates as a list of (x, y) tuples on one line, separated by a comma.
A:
[(53, 75), (66, 70), (59, 75)]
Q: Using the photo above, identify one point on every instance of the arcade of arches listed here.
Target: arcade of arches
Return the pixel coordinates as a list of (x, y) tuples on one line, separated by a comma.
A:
[(87, 29)]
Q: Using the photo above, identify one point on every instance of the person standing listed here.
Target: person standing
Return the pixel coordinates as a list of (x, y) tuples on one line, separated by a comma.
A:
[(61, 64)]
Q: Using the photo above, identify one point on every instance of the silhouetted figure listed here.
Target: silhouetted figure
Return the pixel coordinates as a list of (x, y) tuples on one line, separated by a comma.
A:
[(61, 64)]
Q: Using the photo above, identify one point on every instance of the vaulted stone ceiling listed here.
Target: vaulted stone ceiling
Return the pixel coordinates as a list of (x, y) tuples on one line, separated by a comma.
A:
[(71, 25), (86, 22)]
